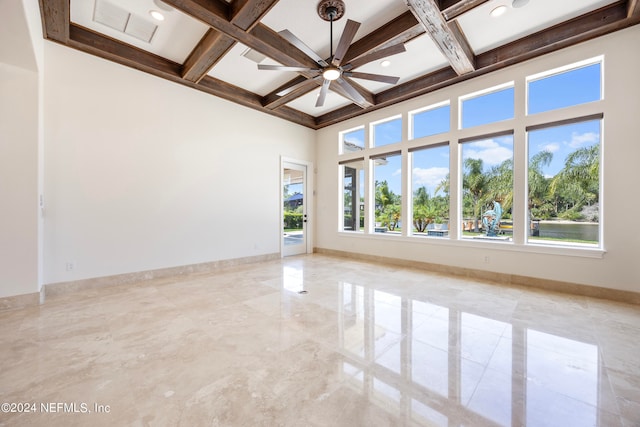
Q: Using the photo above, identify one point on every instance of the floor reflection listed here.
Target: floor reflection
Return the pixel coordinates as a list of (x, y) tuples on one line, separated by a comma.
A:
[(441, 366)]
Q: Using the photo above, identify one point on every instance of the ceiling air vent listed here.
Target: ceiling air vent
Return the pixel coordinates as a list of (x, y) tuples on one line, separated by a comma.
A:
[(251, 54), (112, 16)]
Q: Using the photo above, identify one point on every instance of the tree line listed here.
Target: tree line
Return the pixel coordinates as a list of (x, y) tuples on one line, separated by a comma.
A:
[(562, 196)]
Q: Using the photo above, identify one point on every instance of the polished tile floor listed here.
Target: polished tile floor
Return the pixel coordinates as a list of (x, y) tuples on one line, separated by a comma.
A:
[(320, 341)]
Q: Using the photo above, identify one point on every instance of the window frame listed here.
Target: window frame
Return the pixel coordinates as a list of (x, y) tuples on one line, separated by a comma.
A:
[(518, 125)]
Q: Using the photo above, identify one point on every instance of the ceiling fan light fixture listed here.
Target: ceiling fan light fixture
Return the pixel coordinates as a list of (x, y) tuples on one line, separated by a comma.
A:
[(385, 63), (331, 73), (519, 3)]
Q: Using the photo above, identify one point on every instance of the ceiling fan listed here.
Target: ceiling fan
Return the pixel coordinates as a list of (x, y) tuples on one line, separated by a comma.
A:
[(334, 70)]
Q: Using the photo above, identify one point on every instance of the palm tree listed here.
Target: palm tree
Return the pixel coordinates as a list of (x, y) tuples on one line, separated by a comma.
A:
[(387, 205), (384, 196), (578, 182), (500, 184), (420, 196), (538, 183), (475, 185)]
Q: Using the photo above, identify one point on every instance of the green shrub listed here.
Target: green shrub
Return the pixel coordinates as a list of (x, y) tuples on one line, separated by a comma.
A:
[(292, 220)]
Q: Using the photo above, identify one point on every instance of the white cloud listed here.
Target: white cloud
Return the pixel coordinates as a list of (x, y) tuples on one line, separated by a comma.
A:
[(489, 151), (396, 172), (579, 140), (485, 143), (491, 156), (552, 147), (429, 178)]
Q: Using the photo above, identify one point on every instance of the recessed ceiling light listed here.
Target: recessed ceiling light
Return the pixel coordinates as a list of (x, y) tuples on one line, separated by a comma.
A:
[(385, 63), (519, 3), (156, 15), (498, 11)]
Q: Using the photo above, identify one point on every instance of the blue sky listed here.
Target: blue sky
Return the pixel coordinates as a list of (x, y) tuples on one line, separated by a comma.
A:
[(557, 91)]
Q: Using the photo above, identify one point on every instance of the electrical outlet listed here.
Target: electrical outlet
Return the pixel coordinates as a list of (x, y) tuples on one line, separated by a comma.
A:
[(487, 259), (71, 266)]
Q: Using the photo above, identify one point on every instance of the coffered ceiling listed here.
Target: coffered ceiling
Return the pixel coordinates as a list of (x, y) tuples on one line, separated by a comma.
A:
[(215, 45)]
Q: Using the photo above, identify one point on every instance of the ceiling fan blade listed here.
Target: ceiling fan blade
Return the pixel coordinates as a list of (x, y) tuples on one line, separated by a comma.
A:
[(323, 93), (351, 92), (288, 35), (378, 54), (348, 34), (284, 68), (375, 77), (291, 88)]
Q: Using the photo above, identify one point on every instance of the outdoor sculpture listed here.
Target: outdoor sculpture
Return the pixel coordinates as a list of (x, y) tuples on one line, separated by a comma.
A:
[(491, 219)]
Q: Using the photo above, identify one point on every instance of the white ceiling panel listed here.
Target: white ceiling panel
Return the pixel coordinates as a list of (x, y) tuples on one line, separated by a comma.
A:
[(307, 103), (422, 57), (174, 38), (241, 71), (485, 32)]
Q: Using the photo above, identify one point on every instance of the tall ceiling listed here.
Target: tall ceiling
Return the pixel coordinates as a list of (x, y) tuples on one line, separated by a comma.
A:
[(215, 45)]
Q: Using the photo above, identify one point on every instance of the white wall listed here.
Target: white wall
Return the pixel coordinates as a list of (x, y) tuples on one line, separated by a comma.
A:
[(18, 181), (616, 269), (19, 143), (142, 173)]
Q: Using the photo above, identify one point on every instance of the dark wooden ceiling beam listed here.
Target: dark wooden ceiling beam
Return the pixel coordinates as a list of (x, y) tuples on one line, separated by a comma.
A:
[(586, 27), (88, 41), (399, 30), (245, 14), (105, 47), (229, 92), (451, 9), (55, 19), (273, 100), (272, 45), (211, 49), (633, 9), (451, 43), (568, 33)]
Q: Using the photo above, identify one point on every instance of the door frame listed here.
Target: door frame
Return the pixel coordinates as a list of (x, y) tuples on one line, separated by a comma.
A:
[(309, 197)]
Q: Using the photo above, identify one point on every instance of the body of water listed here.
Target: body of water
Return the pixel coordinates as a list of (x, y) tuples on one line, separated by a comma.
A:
[(577, 231)]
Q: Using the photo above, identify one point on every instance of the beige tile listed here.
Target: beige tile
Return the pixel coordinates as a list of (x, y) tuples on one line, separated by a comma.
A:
[(368, 344)]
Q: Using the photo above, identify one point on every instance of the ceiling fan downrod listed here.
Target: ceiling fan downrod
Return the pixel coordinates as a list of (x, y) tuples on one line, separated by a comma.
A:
[(331, 10)]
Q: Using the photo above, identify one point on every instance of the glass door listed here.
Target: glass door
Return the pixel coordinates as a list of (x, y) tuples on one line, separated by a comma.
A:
[(294, 209)]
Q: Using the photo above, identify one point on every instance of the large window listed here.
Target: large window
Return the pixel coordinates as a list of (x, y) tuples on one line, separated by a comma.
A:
[(352, 140), (430, 121), (487, 184), (387, 132), (430, 191), (490, 106), (564, 88), (525, 174), (564, 183), (388, 192), (353, 195)]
